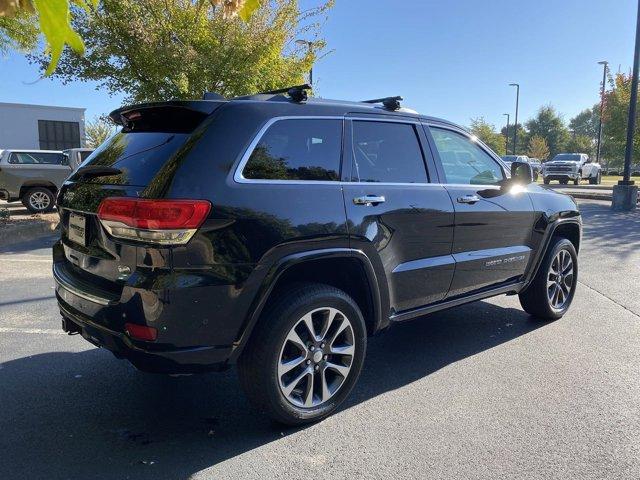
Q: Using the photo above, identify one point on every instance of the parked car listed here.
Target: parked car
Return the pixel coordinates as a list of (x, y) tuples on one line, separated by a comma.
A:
[(75, 156), (278, 232), (536, 166), (32, 176), (509, 159), (565, 167), (534, 162)]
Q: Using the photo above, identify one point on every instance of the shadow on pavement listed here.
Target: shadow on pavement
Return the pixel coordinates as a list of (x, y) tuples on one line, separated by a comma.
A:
[(88, 415), (618, 232)]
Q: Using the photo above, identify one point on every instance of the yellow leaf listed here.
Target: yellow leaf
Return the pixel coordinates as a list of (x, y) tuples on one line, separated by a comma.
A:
[(248, 8), (54, 17)]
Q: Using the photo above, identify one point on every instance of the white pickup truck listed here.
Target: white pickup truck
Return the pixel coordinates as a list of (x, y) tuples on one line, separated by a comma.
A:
[(574, 167)]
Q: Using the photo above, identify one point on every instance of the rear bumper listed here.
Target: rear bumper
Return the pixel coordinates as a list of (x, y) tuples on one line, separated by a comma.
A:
[(186, 360), (97, 316)]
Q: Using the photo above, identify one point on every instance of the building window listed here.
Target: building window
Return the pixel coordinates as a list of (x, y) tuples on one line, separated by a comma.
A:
[(55, 135)]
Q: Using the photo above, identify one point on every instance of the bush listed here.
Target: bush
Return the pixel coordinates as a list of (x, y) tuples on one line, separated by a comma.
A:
[(5, 213), (613, 172), (635, 174)]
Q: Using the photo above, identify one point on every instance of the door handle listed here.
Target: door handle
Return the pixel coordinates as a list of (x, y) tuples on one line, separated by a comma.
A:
[(468, 199), (369, 200)]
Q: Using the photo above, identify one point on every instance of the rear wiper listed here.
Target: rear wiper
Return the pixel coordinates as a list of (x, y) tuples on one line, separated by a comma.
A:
[(97, 171)]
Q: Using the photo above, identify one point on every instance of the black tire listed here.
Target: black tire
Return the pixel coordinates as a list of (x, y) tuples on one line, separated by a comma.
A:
[(535, 299), (564, 182), (39, 200), (259, 362), (593, 181), (546, 181), (576, 181)]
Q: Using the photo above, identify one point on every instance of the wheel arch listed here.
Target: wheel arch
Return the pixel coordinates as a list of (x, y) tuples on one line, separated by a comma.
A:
[(569, 228), (347, 269), (28, 185)]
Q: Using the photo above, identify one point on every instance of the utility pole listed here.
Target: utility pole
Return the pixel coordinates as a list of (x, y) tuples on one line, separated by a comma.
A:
[(506, 135), (515, 125), (625, 193), (604, 80)]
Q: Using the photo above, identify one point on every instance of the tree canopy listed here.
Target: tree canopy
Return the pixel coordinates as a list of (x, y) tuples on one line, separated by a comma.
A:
[(538, 148), (159, 49), (487, 133), (549, 125)]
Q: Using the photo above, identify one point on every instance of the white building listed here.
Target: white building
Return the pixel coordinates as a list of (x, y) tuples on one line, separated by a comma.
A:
[(41, 127)]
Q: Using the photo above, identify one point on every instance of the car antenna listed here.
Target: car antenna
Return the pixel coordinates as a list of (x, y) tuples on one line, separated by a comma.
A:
[(390, 103), (298, 93)]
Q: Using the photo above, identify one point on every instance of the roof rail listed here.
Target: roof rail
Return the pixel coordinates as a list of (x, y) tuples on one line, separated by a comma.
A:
[(298, 93), (390, 103)]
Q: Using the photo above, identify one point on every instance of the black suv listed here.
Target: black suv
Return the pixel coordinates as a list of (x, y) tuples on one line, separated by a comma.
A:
[(279, 232)]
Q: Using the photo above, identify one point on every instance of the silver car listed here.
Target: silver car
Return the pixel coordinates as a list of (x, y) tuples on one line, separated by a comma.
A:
[(34, 176)]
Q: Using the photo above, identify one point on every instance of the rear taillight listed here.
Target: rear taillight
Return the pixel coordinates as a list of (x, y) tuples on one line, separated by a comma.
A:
[(166, 222)]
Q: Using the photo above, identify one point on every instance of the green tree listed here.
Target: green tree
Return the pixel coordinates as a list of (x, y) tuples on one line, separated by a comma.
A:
[(580, 144), (549, 125), (538, 148), (522, 138), (160, 49), (487, 133), (586, 122), (53, 18), (615, 117), (18, 32), (98, 130)]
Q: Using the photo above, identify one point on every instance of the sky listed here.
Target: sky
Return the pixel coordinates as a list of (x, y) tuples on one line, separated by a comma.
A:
[(452, 59)]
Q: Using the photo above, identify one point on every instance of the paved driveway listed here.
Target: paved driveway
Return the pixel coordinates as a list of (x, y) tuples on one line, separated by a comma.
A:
[(481, 391)]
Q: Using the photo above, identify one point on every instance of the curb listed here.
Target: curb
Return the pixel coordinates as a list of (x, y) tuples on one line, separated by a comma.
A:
[(591, 196), (10, 234)]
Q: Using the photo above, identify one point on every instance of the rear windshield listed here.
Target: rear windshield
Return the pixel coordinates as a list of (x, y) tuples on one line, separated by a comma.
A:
[(140, 156)]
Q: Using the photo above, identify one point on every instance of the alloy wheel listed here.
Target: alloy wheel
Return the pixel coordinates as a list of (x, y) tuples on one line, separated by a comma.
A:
[(560, 280), (39, 200), (316, 357)]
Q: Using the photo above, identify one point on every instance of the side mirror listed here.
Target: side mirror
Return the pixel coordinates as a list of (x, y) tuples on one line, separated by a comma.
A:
[(522, 172)]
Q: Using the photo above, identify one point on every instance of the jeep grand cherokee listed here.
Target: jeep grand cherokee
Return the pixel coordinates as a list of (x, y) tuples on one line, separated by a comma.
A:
[(277, 233)]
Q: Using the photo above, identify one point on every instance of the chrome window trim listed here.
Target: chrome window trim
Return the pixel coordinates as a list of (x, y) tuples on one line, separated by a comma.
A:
[(238, 176)]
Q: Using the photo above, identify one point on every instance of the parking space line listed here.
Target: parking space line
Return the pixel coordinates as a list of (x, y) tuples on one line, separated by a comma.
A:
[(41, 331)]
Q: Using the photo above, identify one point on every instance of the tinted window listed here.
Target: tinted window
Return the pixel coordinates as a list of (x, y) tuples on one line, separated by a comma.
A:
[(140, 155), (297, 149), (387, 152), (463, 161), (36, 158)]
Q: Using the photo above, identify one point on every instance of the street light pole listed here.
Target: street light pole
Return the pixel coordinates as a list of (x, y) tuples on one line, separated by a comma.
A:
[(506, 135), (625, 193), (309, 46), (604, 80), (515, 124)]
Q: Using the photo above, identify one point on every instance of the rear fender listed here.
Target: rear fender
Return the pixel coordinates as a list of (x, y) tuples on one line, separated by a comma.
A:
[(271, 279)]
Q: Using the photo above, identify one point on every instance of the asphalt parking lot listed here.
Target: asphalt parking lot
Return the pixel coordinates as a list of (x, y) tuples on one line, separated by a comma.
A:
[(480, 391)]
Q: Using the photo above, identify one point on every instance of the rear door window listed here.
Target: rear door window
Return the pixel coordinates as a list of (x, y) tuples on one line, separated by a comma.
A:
[(387, 152), (297, 149), (37, 158)]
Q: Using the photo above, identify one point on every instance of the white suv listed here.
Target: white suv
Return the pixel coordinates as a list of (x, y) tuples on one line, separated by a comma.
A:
[(572, 166)]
